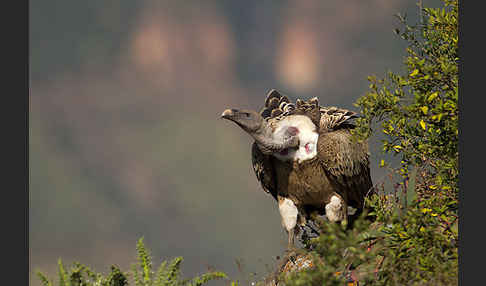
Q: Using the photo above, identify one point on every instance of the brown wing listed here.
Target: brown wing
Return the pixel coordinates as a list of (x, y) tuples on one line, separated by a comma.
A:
[(328, 118), (347, 161), (333, 118), (264, 170), (276, 106)]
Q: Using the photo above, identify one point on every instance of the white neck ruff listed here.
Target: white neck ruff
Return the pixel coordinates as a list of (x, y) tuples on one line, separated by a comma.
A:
[(307, 136)]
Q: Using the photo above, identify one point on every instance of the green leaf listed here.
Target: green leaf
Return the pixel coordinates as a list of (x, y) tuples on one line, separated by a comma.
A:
[(432, 96), (422, 124), (414, 72), (425, 109)]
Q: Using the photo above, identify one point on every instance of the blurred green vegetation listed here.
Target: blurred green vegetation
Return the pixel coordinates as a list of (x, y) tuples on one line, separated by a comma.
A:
[(143, 274)]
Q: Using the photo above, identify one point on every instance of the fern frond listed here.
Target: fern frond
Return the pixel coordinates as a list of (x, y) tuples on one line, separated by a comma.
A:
[(168, 273), (136, 275), (174, 270), (116, 277), (161, 277), (205, 278), (43, 278), (91, 274), (76, 275), (145, 261), (63, 277)]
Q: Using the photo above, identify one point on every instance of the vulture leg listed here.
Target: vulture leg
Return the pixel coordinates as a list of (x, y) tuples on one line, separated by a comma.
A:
[(290, 216), (290, 244), (337, 209), (289, 213)]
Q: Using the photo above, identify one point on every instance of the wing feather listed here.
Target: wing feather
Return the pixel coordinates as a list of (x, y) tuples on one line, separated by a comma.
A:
[(333, 117), (276, 106), (264, 170), (347, 161)]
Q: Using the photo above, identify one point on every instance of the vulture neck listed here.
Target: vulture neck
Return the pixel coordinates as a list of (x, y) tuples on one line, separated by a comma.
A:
[(270, 145)]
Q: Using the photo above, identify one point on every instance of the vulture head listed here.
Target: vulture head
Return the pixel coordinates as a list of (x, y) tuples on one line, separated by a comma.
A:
[(248, 120), (258, 128)]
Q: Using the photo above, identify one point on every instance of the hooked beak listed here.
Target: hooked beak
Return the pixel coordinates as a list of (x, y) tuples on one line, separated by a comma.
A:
[(228, 113)]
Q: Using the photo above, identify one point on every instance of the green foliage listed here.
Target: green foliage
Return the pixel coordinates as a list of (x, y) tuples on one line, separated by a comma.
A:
[(168, 274), (418, 111), (335, 254), (419, 246), (415, 233), (81, 275)]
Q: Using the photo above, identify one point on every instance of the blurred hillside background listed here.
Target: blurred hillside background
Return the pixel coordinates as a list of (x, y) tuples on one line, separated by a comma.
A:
[(125, 138)]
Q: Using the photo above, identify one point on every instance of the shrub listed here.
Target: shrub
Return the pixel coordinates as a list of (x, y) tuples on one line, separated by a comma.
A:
[(414, 238)]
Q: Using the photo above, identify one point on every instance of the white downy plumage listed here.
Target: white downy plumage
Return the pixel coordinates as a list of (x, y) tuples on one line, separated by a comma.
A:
[(307, 137), (288, 212)]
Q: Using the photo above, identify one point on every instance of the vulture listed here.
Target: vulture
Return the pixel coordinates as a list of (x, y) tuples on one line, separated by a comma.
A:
[(305, 158)]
